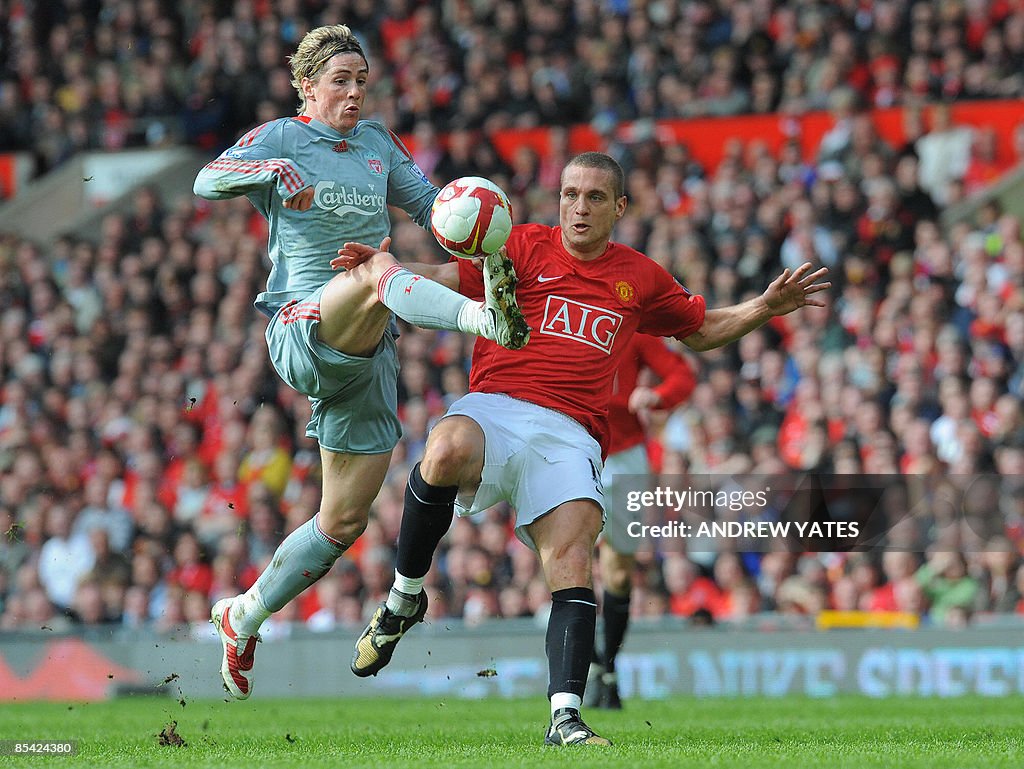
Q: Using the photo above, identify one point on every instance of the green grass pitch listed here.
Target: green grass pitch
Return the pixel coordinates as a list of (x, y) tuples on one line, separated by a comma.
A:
[(428, 733)]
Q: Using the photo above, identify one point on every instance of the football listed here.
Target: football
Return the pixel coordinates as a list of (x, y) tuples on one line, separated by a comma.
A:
[(471, 217)]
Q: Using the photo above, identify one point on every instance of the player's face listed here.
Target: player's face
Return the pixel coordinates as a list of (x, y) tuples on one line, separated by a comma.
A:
[(587, 211), (336, 97)]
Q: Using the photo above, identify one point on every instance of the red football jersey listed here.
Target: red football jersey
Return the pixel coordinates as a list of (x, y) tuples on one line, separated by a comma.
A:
[(581, 314), (677, 382)]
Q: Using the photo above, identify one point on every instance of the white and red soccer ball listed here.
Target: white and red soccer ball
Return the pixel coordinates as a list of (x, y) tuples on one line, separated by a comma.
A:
[(471, 217)]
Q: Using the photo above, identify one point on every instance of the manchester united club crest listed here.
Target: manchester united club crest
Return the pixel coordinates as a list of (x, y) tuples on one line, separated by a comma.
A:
[(625, 291)]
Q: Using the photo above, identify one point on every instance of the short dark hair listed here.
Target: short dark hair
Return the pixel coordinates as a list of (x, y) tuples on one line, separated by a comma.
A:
[(605, 163)]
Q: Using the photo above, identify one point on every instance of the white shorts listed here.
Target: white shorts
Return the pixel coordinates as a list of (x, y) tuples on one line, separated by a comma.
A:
[(534, 458), (634, 463)]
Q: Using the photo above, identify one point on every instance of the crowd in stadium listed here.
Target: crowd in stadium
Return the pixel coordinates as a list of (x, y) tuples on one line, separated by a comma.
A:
[(111, 74), (151, 460)]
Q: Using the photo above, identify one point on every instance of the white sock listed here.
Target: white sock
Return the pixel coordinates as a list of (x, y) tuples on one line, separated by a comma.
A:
[(403, 596), (427, 304), (561, 700), (408, 585), (248, 612), (473, 320)]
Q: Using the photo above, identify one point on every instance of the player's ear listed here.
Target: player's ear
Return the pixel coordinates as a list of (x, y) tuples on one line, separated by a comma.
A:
[(308, 89), (620, 206)]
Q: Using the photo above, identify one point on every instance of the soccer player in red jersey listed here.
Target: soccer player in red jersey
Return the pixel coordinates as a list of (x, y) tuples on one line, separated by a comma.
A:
[(534, 428), (627, 456)]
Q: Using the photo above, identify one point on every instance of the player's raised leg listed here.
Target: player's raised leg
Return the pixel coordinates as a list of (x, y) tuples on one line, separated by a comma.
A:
[(351, 483), (376, 278), (565, 540), (453, 457)]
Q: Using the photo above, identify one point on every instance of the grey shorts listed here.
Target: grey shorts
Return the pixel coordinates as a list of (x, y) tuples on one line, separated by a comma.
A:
[(354, 399), (633, 463)]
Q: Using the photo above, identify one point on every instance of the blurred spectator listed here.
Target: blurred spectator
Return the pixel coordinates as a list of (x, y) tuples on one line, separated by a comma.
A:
[(267, 461), (945, 154), (64, 558), (897, 565), (190, 570), (109, 567), (946, 584), (689, 592), (33, 611), (998, 590), (98, 513), (136, 608), (88, 607)]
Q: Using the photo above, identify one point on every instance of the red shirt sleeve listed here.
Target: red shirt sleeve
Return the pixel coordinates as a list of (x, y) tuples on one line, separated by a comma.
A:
[(677, 377), (670, 310)]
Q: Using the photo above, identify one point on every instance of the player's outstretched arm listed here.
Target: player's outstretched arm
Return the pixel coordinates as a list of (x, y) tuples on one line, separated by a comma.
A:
[(351, 255), (258, 161), (786, 293), (225, 178)]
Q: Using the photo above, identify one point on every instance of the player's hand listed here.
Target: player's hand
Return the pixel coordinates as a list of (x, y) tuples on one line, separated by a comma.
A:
[(791, 291), (300, 201), (354, 254), (478, 261), (641, 399)]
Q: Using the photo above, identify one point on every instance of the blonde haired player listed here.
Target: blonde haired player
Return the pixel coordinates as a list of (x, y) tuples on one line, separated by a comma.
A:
[(321, 178)]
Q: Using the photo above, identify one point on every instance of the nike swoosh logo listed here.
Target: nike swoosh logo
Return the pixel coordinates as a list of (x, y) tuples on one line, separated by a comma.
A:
[(542, 279), (248, 657)]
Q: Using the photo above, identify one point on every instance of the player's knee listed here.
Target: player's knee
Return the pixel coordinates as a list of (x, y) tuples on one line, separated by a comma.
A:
[(373, 269), (343, 523), (575, 558), (357, 289), (446, 461), (349, 531)]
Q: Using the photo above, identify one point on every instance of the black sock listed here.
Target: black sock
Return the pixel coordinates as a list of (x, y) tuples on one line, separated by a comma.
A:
[(570, 639), (615, 614), (427, 515)]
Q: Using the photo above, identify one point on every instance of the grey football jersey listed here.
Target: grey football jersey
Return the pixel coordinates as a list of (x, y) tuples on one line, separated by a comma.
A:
[(355, 177)]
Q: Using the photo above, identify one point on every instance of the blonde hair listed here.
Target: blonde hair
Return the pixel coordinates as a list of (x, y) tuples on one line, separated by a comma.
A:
[(318, 47)]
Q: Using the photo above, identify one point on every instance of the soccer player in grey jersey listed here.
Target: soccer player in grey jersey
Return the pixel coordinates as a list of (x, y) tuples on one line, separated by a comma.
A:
[(320, 179)]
